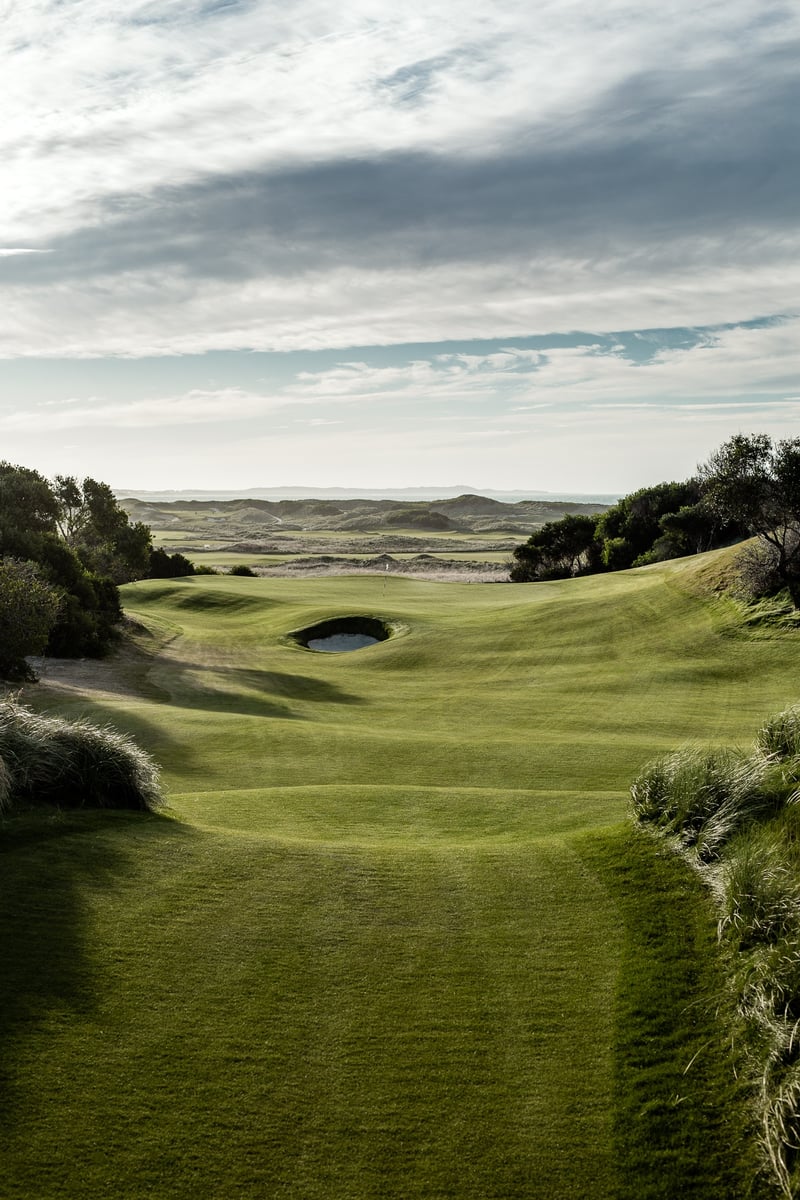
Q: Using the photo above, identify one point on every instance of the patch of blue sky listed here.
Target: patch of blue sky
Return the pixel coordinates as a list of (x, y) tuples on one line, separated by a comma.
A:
[(55, 378)]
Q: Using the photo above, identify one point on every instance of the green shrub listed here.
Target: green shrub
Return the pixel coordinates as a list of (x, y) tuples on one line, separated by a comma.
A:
[(740, 819), (168, 566), (243, 569), (29, 608), (71, 764)]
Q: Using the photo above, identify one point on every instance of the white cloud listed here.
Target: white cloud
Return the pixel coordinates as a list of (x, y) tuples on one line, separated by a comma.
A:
[(196, 407), (152, 313), (736, 375)]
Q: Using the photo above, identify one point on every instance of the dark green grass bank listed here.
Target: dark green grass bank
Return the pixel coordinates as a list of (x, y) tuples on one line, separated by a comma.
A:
[(400, 941)]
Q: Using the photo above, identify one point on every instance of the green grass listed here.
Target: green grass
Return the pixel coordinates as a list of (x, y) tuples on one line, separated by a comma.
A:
[(398, 941)]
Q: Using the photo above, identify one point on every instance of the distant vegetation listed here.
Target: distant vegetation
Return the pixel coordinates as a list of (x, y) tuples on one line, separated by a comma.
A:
[(736, 817), (71, 764), (419, 518), (747, 487)]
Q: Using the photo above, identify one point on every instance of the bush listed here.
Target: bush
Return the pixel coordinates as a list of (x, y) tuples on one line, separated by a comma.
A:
[(29, 608), (71, 764), (243, 569), (760, 892), (757, 574), (90, 607), (169, 566)]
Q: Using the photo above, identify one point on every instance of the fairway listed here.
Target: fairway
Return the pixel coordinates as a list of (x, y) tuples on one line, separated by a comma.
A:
[(384, 943)]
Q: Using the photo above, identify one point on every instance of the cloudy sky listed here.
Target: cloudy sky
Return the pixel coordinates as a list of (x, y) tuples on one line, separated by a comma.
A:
[(548, 245)]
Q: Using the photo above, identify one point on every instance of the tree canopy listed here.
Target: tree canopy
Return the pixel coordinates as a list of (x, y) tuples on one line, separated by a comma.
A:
[(756, 483), (649, 525), (558, 550), (29, 608), (69, 540)]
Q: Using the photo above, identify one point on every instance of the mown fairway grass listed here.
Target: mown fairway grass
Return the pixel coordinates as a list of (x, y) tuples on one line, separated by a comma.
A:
[(398, 939)]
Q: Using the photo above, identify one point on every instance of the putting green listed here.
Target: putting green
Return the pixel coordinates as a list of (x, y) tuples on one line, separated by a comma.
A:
[(379, 952)]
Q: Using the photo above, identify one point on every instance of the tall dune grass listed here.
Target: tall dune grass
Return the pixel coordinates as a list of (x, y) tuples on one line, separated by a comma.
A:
[(702, 797), (736, 817), (779, 737), (45, 760)]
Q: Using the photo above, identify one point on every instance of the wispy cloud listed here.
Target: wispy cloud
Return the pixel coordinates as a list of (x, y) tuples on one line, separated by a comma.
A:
[(734, 373), (195, 407)]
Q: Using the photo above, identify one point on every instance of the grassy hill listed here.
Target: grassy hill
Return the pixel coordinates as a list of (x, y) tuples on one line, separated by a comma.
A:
[(399, 939)]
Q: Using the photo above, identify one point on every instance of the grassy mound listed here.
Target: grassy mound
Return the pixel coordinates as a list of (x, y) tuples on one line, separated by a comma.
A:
[(45, 760)]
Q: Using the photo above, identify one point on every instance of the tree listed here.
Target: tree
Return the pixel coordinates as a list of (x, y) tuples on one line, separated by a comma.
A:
[(629, 528), (757, 484), (558, 550), (28, 508), (92, 523), (29, 607), (83, 544), (169, 566)]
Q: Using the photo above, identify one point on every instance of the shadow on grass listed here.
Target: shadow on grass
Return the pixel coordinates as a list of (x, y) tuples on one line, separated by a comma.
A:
[(48, 860), (153, 736), (251, 691), (681, 1116)]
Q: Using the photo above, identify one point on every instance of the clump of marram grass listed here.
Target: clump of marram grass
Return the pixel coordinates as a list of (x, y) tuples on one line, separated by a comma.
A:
[(46, 760), (737, 820), (759, 889), (701, 797), (779, 736)]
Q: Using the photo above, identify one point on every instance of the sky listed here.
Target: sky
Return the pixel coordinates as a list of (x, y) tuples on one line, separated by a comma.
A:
[(548, 246)]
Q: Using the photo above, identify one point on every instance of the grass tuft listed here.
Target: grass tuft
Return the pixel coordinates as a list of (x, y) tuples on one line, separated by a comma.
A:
[(779, 737), (700, 796), (45, 760), (760, 891)]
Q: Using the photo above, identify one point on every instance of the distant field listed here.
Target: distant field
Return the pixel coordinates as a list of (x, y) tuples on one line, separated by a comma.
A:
[(403, 544), (259, 533), (398, 939)]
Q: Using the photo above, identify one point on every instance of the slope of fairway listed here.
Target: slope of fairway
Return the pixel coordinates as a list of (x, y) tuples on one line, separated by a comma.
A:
[(384, 949)]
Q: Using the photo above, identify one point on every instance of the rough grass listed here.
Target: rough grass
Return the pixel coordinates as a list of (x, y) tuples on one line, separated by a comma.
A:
[(45, 760), (751, 863), (390, 947), (679, 1122)]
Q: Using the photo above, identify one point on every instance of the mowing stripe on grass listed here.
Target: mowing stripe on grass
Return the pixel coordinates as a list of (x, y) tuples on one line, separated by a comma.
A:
[(313, 1023)]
